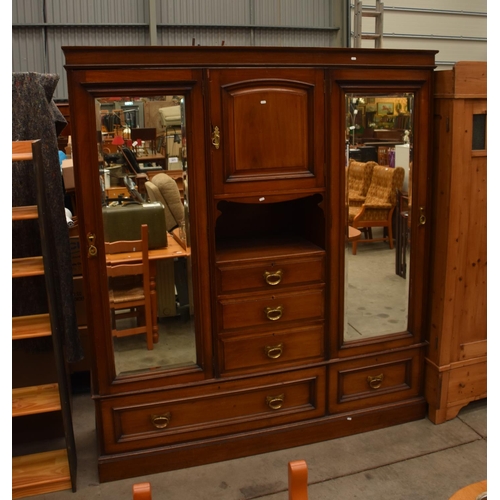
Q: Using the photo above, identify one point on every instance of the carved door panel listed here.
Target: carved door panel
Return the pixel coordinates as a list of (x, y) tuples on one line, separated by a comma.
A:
[(266, 124)]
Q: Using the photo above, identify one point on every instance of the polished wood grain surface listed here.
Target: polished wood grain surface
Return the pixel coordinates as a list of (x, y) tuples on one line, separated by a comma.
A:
[(26, 327), (25, 213), (266, 149), (40, 473), (27, 266), (36, 399)]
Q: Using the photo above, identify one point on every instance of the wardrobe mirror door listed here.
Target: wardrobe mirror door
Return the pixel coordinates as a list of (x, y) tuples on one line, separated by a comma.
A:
[(143, 171), (379, 150)]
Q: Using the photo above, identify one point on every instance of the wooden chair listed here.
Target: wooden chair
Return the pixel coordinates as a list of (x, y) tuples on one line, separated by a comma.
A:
[(130, 288), (379, 204)]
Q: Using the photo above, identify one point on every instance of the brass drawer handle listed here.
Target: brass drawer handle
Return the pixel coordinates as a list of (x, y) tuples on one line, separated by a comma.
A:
[(275, 402), (274, 313), (273, 351), (376, 381), (273, 278), (161, 421)]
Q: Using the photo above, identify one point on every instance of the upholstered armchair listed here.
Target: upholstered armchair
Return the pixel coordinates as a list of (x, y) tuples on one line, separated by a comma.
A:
[(163, 188), (379, 204), (359, 176)]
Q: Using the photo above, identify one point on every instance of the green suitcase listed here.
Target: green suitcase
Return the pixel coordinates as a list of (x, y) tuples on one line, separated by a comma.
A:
[(123, 222)]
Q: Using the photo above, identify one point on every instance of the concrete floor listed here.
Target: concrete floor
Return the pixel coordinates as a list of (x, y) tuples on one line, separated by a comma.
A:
[(413, 461)]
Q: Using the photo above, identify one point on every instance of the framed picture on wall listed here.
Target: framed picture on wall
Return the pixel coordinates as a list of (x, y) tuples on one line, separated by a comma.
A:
[(385, 108)]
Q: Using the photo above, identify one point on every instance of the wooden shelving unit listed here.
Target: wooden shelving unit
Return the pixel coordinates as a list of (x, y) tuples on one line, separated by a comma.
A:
[(54, 470)]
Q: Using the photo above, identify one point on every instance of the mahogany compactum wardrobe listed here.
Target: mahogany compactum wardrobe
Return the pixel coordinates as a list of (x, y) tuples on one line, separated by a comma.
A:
[(280, 336)]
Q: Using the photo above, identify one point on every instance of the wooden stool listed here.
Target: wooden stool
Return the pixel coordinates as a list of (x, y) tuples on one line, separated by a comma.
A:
[(471, 492), (297, 480), (297, 483), (354, 234), (141, 491)]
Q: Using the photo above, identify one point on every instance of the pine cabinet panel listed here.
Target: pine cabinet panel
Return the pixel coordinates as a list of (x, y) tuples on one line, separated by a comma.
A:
[(458, 332)]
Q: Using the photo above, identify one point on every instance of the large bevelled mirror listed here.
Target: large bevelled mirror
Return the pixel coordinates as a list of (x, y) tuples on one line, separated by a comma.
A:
[(143, 170), (379, 147)]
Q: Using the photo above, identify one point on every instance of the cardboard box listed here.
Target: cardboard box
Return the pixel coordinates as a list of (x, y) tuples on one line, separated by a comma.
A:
[(174, 163), (68, 175)]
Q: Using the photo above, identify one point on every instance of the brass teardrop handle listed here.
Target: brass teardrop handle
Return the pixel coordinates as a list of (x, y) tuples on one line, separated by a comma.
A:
[(376, 381), (161, 421), (275, 402), (422, 219), (273, 351), (216, 137), (273, 278), (274, 313)]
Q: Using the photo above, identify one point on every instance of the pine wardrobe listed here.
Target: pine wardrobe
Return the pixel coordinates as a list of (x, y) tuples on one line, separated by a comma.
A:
[(281, 336)]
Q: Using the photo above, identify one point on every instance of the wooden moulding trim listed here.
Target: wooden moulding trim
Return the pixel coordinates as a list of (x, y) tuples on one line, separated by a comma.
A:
[(455, 365), (82, 57), (473, 349), (460, 96)]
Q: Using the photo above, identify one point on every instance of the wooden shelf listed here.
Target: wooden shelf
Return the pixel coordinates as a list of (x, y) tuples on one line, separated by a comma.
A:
[(40, 473), (21, 156), (36, 399), (25, 213), (22, 150), (28, 266), (28, 327)]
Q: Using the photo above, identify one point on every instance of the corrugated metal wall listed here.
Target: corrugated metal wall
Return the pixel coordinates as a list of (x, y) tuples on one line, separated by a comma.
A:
[(457, 28), (41, 27)]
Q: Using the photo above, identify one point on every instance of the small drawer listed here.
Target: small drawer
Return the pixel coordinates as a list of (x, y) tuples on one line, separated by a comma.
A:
[(246, 353), (270, 274), (382, 379), (277, 310), (183, 415)]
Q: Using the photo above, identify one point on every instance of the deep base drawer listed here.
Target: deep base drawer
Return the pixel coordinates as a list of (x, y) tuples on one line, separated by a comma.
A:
[(182, 415)]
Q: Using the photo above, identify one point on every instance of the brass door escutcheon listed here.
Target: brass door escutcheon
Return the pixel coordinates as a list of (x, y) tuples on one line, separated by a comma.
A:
[(422, 219), (273, 278), (274, 313), (92, 249), (273, 351), (376, 381), (216, 137), (161, 421), (275, 402)]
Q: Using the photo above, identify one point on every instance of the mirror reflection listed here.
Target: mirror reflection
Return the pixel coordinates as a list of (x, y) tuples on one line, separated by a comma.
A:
[(379, 135), (143, 171)]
